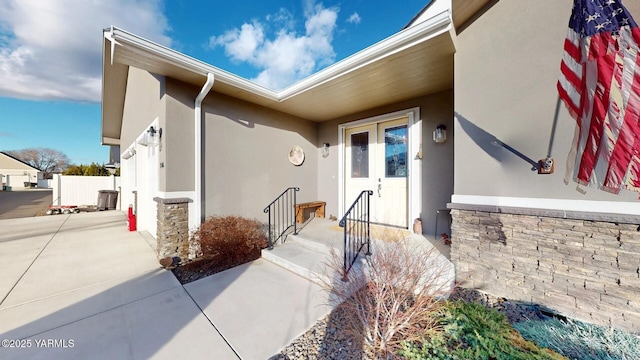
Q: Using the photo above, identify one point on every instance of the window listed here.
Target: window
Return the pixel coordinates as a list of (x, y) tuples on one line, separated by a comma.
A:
[(360, 155), (395, 151)]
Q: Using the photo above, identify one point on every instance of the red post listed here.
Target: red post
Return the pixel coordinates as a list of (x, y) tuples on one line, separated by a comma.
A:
[(131, 219)]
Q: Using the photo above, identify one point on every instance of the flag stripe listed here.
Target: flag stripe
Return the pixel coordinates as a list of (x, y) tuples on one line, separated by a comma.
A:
[(570, 84), (622, 154), (599, 84), (600, 103)]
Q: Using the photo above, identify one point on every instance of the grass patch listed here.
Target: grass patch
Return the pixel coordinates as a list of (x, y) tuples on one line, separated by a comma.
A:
[(578, 340), (471, 331)]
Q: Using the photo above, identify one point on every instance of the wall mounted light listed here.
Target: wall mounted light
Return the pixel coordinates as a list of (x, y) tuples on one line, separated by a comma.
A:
[(325, 150), (153, 136), (152, 131), (440, 134)]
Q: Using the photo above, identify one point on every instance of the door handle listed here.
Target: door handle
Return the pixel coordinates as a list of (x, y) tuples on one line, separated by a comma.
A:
[(379, 190)]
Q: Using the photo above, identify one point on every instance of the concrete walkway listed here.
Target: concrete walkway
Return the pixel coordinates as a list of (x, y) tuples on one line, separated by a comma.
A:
[(81, 286)]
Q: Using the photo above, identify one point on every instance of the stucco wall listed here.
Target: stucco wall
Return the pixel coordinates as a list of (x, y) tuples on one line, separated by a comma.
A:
[(581, 262), (506, 65), (178, 151), (437, 163), (246, 157), (143, 103)]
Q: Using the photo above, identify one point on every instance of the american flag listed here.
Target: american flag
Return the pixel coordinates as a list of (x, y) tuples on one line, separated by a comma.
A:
[(600, 85)]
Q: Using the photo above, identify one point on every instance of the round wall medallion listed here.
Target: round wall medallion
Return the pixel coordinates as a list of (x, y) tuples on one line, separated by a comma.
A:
[(296, 155)]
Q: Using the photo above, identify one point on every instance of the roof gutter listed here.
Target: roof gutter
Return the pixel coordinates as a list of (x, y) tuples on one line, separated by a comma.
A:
[(188, 63), (198, 147)]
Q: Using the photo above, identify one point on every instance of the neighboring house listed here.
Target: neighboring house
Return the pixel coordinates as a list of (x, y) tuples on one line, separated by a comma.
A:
[(199, 141), (18, 174)]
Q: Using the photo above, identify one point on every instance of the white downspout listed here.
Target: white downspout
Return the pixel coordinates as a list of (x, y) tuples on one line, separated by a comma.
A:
[(198, 148)]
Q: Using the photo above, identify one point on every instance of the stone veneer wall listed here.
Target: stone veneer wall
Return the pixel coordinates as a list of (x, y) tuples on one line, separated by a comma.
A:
[(583, 265), (173, 231)]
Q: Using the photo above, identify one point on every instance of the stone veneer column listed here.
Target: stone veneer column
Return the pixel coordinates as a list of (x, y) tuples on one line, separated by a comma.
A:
[(173, 231), (585, 265)]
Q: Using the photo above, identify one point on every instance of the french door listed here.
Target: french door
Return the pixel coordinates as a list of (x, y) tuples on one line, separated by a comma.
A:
[(376, 159)]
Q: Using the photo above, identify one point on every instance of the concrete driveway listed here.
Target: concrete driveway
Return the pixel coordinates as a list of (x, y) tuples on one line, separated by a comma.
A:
[(81, 286), (24, 203)]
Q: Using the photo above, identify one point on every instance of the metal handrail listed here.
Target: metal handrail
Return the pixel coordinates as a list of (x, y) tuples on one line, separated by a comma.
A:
[(357, 230), (283, 215)]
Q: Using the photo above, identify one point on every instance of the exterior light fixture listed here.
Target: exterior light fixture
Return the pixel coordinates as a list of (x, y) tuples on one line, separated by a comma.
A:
[(440, 134), (325, 150), (153, 132), (154, 135)]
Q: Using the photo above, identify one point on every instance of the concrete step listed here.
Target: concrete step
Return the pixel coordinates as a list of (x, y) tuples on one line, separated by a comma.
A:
[(305, 261), (302, 240), (308, 259)]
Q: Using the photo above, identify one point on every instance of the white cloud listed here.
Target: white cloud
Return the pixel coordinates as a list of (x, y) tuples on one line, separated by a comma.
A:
[(241, 44), (53, 49), (354, 18), (283, 55)]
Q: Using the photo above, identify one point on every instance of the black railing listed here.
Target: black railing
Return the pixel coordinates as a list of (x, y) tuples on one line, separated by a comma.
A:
[(282, 216), (357, 230)]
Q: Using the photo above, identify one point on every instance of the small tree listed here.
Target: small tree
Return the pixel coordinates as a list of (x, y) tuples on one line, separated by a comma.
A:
[(74, 170), (49, 161), (96, 170)]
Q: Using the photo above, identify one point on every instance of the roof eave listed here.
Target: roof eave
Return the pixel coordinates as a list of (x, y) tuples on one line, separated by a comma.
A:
[(424, 31), (437, 25), (190, 64)]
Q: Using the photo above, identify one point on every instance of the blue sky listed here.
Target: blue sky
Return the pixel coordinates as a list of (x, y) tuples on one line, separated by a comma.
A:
[(50, 53)]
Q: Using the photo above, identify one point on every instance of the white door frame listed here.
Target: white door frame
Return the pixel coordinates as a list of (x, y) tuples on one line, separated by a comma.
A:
[(142, 172), (414, 170)]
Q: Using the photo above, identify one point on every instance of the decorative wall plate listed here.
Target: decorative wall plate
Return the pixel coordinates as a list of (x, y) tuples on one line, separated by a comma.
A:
[(296, 155)]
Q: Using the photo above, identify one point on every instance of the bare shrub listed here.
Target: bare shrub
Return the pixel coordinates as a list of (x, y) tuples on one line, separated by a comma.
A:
[(393, 295), (230, 240)]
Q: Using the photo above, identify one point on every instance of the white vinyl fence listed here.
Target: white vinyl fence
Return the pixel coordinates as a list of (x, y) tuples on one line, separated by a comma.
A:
[(45, 184), (82, 190)]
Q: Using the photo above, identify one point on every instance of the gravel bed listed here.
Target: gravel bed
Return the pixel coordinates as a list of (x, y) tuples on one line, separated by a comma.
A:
[(327, 339)]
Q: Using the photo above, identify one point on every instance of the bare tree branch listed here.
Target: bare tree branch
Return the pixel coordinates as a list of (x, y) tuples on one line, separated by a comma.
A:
[(49, 161)]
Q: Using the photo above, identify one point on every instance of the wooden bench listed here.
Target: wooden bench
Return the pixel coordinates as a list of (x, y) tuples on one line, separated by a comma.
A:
[(317, 205)]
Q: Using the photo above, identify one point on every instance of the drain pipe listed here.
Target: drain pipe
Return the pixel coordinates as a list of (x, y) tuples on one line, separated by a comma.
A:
[(198, 147)]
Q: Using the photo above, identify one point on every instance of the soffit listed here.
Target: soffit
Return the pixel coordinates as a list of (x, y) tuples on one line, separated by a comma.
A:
[(114, 83), (422, 69), (463, 10)]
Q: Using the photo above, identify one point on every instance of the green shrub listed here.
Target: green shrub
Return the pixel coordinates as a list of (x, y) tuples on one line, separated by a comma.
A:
[(471, 331), (227, 241), (578, 340)]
